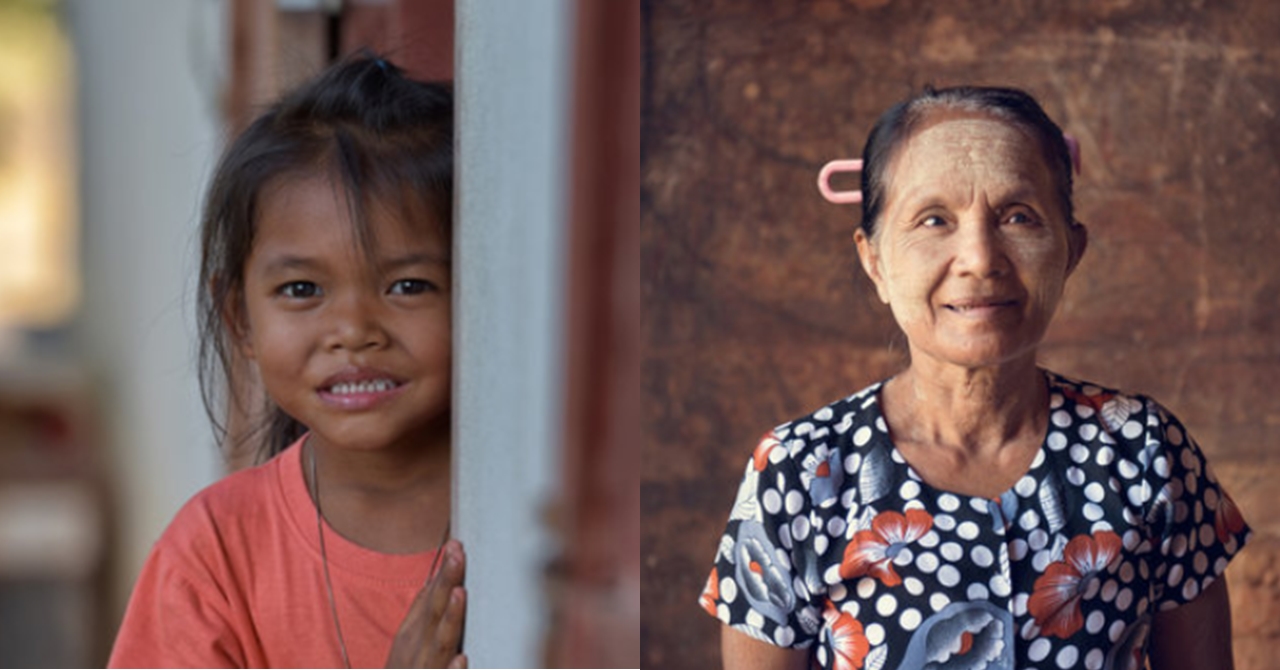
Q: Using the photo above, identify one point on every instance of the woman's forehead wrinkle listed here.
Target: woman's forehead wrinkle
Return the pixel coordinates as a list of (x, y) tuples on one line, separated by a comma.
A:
[(969, 153)]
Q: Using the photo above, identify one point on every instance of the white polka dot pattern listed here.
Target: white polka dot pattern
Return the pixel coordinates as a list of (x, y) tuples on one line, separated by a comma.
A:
[(837, 545)]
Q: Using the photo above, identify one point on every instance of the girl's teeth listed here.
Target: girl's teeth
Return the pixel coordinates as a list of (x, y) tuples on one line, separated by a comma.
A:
[(375, 386)]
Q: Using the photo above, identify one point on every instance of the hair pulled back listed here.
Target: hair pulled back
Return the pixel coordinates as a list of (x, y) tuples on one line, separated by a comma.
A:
[(1010, 105), (383, 138)]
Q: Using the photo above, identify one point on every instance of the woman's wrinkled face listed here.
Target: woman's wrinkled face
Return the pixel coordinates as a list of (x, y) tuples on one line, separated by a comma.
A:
[(972, 249)]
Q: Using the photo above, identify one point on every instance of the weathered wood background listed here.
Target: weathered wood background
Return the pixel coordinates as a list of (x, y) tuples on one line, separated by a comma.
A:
[(755, 310)]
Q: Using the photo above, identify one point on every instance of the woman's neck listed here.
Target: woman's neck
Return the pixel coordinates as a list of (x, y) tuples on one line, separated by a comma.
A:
[(972, 410)]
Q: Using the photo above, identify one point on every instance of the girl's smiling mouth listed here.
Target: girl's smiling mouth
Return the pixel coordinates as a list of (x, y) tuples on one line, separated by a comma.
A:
[(359, 388), (351, 388)]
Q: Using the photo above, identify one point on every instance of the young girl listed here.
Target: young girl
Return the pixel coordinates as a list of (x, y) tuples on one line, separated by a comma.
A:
[(326, 274)]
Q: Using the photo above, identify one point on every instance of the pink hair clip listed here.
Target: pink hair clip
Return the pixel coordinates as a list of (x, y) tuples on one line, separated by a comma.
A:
[(824, 181)]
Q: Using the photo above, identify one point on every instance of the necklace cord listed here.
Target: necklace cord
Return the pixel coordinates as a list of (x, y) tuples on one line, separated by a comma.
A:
[(324, 558)]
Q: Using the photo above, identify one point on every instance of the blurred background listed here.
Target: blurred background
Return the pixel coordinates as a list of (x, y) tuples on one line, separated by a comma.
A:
[(112, 116), (755, 308)]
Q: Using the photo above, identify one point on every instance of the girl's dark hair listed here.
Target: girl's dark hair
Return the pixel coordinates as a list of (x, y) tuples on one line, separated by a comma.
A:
[(1011, 105), (384, 137)]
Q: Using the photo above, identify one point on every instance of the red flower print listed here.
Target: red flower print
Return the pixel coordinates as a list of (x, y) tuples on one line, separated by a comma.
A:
[(1094, 401), (1227, 521), (761, 455), (871, 552), (711, 593), (1055, 602), (849, 645)]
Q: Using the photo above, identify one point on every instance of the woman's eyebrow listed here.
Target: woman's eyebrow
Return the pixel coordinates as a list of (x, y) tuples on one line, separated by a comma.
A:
[(916, 206), (1021, 193)]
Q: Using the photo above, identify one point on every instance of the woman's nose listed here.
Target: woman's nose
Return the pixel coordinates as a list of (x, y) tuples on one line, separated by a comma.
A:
[(980, 248), (356, 325)]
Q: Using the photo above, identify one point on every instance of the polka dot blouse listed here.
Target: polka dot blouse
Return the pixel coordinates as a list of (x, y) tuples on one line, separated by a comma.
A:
[(835, 544)]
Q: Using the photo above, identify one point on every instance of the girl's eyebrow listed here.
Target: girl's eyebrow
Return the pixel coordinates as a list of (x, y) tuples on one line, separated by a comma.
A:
[(294, 262), (420, 258), (289, 262)]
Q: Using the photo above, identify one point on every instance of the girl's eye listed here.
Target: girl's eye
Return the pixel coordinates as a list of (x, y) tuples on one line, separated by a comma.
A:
[(299, 290), (411, 286)]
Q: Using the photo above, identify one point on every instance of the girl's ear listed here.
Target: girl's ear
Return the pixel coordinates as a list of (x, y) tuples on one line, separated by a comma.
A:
[(236, 322), (870, 259)]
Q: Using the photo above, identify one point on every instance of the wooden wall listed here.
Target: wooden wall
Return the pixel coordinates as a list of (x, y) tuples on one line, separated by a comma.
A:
[(755, 310)]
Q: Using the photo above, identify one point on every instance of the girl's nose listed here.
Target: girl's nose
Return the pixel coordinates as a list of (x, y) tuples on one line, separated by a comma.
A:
[(980, 248), (356, 325)]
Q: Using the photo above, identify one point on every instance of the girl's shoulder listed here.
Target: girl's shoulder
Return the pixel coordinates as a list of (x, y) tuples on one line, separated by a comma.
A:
[(232, 510)]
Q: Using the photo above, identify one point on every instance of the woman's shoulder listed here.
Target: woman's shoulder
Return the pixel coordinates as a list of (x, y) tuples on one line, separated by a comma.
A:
[(1135, 424), (846, 423), (839, 416)]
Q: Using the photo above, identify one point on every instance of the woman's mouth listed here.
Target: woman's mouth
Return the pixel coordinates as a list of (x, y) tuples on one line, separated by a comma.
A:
[(979, 308)]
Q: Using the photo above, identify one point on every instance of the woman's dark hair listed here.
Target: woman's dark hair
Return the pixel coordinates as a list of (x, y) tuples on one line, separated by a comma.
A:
[(385, 138), (1011, 105)]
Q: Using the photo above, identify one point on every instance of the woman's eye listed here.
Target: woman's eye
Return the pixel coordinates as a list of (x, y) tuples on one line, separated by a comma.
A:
[(411, 286), (299, 289), (933, 221), (1020, 218)]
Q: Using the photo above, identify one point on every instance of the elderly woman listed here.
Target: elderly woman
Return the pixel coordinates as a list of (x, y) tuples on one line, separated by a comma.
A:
[(975, 511)]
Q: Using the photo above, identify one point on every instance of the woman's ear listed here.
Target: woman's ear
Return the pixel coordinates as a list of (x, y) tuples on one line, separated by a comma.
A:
[(870, 259), (1077, 242)]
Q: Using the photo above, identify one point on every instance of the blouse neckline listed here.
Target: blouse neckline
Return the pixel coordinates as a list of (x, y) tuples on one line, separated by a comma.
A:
[(1037, 462)]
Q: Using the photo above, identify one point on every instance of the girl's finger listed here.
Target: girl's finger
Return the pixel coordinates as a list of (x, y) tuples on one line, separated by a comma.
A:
[(459, 661), (413, 619), (449, 632), (450, 577)]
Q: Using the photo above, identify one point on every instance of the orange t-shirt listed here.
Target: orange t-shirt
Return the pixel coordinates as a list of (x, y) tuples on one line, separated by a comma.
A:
[(236, 581)]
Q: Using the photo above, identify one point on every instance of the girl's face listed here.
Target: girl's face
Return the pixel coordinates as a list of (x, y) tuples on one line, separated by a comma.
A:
[(359, 352), (972, 250)]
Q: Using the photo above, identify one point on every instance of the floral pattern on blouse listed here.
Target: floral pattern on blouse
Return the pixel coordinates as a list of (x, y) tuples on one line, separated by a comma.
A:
[(835, 544)]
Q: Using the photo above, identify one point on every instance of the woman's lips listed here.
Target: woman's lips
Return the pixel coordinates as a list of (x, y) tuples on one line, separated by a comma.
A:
[(980, 308)]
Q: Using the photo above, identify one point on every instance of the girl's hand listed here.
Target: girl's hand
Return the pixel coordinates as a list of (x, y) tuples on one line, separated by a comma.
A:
[(431, 633)]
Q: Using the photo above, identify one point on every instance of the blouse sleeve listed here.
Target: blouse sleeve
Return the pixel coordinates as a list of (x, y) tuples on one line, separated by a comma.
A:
[(760, 583), (1196, 528)]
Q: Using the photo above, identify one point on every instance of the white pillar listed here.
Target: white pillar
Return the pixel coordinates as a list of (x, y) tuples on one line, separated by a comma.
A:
[(150, 129), (512, 83)]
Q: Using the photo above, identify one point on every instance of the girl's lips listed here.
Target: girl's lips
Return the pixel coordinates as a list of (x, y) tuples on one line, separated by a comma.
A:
[(360, 395)]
